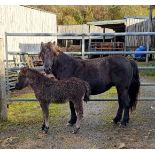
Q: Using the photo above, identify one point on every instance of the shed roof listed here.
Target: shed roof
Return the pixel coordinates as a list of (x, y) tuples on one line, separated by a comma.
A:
[(38, 9), (137, 17), (117, 25)]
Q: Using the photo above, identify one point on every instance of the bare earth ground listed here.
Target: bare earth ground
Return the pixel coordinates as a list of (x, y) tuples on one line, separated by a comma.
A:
[(97, 131)]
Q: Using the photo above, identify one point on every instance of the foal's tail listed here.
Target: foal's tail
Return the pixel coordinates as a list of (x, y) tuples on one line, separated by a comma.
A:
[(87, 92), (135, 86)]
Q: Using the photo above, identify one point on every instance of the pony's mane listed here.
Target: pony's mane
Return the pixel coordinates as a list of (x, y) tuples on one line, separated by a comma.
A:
[(67, 57), (56, 50)]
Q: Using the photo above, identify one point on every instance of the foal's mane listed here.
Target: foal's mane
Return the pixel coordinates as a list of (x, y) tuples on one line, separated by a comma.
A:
[(36, 74)]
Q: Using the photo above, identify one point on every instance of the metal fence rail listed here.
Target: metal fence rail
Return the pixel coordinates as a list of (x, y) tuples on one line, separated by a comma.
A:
[(83, 53), (116, 52), (91, 99), (83, 34)]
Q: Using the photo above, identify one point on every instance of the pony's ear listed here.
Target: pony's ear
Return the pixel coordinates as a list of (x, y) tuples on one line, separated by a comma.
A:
[(40, 55), (42, 47), (24, 70), (49, 44), (55, 51), (53, 46)]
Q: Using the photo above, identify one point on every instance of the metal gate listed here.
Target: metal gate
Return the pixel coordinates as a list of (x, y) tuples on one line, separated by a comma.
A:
[(83, 53)]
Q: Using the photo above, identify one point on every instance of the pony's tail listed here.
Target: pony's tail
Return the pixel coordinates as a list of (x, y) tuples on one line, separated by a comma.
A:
[(134, 86), (87, 92)]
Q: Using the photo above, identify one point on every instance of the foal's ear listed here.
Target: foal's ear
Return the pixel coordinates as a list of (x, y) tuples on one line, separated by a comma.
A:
[(42, 44), (54, 42)]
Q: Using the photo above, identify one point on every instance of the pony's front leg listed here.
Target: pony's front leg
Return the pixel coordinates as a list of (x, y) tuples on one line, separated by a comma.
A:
[(45, 111), (73, 118), (79, 112)]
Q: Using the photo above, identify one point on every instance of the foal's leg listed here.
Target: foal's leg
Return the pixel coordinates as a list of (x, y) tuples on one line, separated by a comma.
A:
[(73, 118), (45, 111), (79, 111)]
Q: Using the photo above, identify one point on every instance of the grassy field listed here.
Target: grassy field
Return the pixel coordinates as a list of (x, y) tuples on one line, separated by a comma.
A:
[(149, 72)]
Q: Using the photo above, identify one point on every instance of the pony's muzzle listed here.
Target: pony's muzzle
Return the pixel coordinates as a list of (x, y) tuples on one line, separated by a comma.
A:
[(17, 86), (47, 71)]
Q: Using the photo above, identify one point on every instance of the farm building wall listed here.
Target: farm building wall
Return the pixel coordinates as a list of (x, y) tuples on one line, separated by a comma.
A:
[(138, 25), (84, 28), (133, 20), (21, 19)]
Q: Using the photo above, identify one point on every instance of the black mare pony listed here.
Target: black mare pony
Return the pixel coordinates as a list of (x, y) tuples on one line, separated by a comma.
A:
[(100, 73)]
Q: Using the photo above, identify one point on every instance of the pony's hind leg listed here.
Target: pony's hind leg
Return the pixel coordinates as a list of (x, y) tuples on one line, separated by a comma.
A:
[(124, 100), (79, 111), (45, 111), (118, 116), (126, 116)]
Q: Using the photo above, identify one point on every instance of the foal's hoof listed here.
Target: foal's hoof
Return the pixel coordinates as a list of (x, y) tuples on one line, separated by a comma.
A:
[(75, 131), (42, 127), (45, 130)]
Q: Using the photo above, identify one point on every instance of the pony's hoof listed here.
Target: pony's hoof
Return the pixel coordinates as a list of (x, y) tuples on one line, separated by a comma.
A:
[(72, 121), (45, 131), (75, 131), (116, 120), (69, 124), (123, 124)]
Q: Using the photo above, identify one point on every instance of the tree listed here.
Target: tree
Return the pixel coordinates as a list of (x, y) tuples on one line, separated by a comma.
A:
[(82, 14)]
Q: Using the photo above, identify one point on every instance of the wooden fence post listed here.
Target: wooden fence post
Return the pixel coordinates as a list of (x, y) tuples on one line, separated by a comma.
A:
[(3, 99)]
